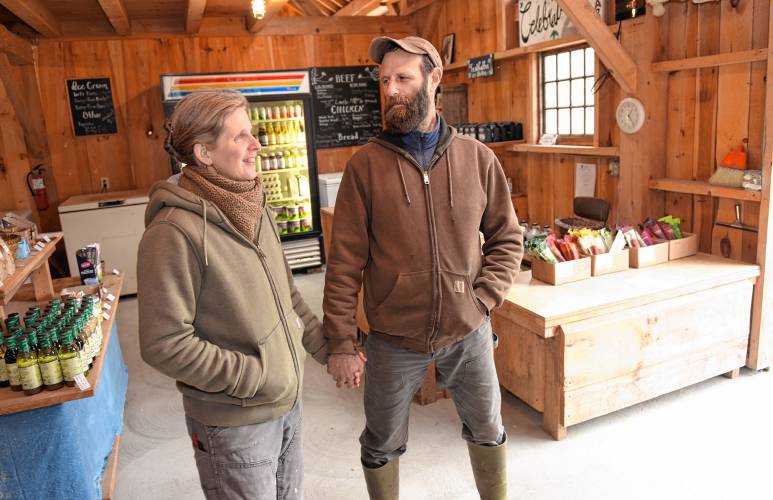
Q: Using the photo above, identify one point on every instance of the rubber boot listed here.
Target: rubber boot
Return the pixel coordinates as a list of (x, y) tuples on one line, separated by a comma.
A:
[(384, 482), (489, 466)]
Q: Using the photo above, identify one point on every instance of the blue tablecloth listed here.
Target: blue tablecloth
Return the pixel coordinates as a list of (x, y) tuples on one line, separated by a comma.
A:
[(61, 451)]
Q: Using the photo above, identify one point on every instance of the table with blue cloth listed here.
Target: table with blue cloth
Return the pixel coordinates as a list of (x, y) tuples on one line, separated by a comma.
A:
[(60, 451)]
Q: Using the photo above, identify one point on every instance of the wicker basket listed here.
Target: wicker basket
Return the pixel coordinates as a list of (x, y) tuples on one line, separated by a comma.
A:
[(12, 240), (564, 224)]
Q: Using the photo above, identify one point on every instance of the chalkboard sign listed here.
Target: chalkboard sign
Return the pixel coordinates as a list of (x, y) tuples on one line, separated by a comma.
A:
[(480, 66), (347, 105), (91, 104)]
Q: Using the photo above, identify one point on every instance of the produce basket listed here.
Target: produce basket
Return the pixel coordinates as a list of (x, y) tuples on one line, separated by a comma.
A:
[(564, 224)]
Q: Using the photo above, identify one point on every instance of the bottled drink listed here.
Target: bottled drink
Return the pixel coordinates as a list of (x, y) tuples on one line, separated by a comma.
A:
[(277, 114), (3, 372), (269, 115), (284, 112), (29, 370), (274, 162), (301, 134), (271, 135), (280, 159), (50, 368), (298, 111), (262, 113), (10, 364), (262, 136), (69, 359), (289, 159)]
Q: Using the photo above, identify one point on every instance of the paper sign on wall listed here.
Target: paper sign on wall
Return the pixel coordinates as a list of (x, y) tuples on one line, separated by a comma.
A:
[(543, 20)]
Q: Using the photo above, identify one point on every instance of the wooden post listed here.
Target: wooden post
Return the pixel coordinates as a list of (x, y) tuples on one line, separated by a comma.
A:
[(41, 282), (553, 417)]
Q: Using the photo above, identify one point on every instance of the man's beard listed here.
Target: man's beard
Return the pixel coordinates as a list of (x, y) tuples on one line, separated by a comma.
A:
[(406, 118)]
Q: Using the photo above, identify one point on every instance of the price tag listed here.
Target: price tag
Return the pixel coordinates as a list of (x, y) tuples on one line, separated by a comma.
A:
[(110, 297), (81, 382), (107, 306), (39, 246), (46, 238), (106, 316), (104, 290), (116, 272)]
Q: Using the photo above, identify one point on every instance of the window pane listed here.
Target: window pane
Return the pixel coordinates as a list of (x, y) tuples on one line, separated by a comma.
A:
[(550, 68), (578, 92), (563, 94), (578, 63), (564, 124), (590, 59), (589, 123), (550, 95), (563, 65), (589, 91), (578, 116), (551, 126)]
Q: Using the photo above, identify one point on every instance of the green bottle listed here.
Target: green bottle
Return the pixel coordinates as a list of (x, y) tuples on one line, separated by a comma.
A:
[(69, 359), (50, 369), (11, 366), (29, 370), (78, 340), (3, 371)]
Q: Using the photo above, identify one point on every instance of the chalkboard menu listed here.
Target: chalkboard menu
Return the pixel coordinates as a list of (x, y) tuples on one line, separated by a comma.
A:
[(91, 104), (347, 105)]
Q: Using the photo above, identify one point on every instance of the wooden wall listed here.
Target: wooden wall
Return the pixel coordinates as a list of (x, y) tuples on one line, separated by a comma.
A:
[(693, 116), (134, 158)]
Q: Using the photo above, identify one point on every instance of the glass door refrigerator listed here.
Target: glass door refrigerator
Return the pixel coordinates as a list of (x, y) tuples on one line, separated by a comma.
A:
[(281, 110)]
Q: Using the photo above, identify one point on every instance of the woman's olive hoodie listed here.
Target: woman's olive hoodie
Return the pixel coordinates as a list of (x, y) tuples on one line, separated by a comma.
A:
[(219, 313), (413, 238)]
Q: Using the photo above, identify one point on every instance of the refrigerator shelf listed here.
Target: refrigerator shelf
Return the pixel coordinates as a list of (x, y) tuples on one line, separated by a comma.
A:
[(284, 170), (292, 198), (288, 145), (273, 120)]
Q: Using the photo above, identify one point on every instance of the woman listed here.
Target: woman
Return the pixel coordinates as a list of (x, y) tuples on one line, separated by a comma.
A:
[(218, 308)]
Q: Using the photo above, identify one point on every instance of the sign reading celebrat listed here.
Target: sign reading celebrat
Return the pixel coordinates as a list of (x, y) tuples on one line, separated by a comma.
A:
[(480, 66), (347, 105), (91, 105), (543, 20)]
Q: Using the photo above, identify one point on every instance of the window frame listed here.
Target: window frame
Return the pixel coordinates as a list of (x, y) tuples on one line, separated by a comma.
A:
[(578, 139)]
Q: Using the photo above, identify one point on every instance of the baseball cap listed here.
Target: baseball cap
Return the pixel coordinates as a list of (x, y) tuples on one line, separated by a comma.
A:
[(413, 44)]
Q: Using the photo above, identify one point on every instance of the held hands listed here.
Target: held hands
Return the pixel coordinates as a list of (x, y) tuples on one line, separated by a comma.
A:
[(347, 369)]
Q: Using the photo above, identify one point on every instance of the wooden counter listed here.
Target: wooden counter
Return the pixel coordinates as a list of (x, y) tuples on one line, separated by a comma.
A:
[(585, 349)]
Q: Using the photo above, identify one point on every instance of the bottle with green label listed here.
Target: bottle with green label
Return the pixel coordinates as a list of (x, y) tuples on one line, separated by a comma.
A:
[(29, 370), (81, 343), (50, 369), (3, 372), (69, 358), (10, 365)]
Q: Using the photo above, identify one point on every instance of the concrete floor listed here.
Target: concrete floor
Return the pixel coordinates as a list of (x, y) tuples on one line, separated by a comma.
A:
[(709, 441)]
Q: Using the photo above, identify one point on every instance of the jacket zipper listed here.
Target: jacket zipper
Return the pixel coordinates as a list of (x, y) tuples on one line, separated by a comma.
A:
[(438, 292), (262, 258)]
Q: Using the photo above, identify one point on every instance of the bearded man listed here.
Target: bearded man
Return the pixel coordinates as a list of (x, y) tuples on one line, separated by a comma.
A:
[(408, 217)]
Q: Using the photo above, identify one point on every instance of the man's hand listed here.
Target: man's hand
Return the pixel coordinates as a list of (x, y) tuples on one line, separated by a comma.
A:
[(347, 369)]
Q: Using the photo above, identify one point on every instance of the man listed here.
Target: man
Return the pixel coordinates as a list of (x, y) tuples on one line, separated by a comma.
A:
[(408, 215)]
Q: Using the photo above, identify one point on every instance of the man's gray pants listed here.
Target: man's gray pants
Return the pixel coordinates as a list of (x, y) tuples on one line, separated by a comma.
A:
[(258, 461), (393, 375)]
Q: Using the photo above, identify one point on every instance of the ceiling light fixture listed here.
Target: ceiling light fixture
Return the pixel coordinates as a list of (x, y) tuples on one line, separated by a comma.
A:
[(258, 8)]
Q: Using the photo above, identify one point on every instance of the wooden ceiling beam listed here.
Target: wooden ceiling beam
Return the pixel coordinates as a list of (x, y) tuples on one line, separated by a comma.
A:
[(311, 25), (327, 5), (18, 50), (194, 13), (607, 47), (35, 14), (415, 6), (358, 8), (115, 10), (254, 25), (310, 8)]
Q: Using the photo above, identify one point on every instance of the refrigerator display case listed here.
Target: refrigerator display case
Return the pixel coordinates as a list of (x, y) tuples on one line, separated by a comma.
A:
[(281, 111)]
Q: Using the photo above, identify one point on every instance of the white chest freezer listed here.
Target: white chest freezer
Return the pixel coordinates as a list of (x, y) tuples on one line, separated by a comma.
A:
[(114, 220)]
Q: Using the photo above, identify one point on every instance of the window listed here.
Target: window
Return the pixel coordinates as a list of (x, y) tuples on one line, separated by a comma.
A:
[(567, 96)]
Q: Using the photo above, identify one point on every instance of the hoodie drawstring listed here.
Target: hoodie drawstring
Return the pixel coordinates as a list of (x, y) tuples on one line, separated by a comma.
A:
[(402, 178), (450, 186), (206, 259)]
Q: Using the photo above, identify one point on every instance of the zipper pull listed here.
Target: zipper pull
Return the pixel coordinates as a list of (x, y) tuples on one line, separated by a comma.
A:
[(426, 178)]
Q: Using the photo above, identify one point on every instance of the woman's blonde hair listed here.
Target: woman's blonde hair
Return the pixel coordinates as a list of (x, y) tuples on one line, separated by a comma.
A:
[(198, 119)]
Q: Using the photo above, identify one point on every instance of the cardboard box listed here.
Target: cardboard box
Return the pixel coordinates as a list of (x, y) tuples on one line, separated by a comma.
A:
[(606, 263), (563, 272), (683, 247), (649, 256)]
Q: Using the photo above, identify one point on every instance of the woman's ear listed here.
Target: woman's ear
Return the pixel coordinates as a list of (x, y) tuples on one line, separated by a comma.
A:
[(202, 155)]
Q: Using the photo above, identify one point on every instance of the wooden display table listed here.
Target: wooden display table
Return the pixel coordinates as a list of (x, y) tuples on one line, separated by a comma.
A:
[(585, 349), (36, 266), (13, 402)]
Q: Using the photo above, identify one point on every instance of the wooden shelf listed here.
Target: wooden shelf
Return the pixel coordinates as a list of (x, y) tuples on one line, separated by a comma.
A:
[(15, 402), (703, 188), (745, 56), (36, 265), (559, 149), (503, 144)]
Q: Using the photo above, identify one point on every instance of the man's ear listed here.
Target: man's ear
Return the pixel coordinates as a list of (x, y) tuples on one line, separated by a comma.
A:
[(202, 155), (434, 76)]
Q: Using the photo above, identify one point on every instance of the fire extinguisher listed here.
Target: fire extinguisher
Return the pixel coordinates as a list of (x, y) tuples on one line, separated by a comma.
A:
[(37, 186)]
